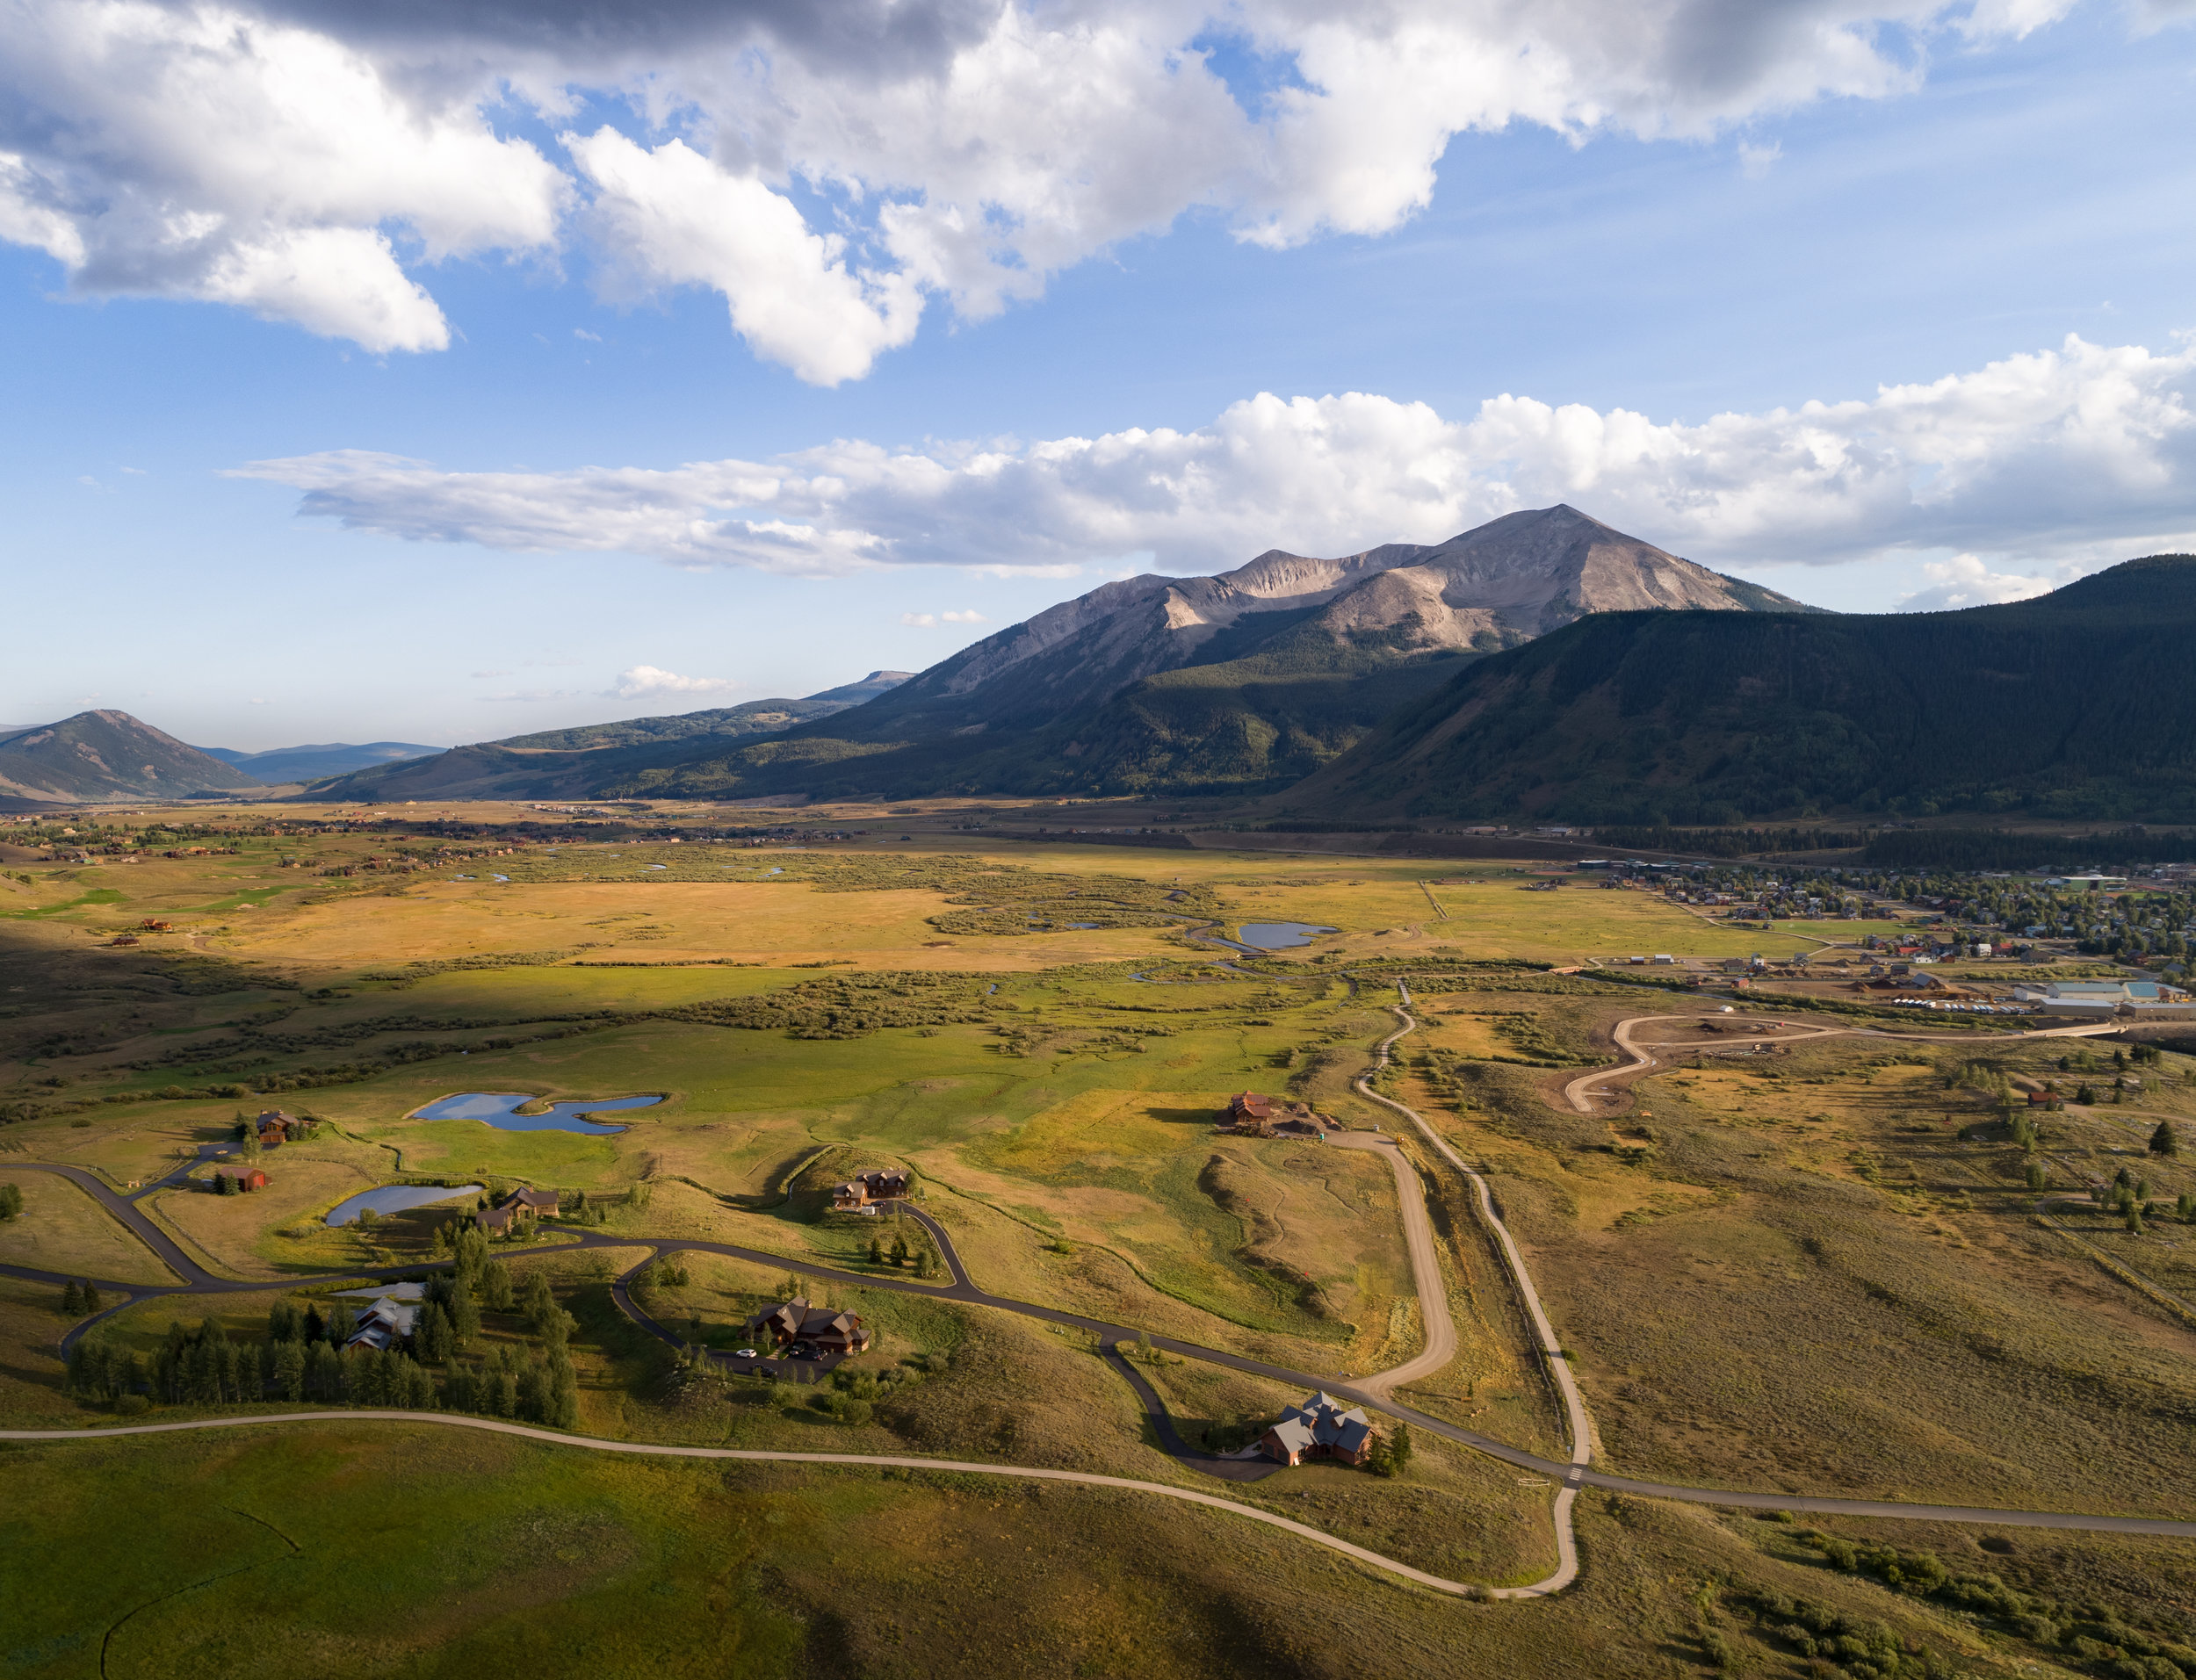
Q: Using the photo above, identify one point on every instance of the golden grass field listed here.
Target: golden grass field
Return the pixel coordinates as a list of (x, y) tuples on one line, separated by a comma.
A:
[(1789, 1275)]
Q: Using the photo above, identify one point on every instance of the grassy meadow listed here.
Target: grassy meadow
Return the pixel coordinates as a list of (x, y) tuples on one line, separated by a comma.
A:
[(1789, 1274)]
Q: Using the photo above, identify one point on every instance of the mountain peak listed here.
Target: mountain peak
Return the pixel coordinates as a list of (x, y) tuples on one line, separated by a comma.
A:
[(104, 756)]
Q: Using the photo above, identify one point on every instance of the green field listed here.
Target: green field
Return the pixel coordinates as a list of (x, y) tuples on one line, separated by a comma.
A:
[(1788, 1274)]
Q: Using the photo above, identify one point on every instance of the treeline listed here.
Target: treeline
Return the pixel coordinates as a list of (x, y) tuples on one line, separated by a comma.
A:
[(1995, 848), (304, 1356), (1726, 842)]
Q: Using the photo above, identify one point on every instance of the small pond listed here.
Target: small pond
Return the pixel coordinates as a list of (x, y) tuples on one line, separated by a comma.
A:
[(395, 1199), (1280, 935), (497, 1108)]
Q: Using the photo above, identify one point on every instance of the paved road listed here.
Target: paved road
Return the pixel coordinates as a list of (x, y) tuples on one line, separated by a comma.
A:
[(126, 1213), (1027, 1473), (1569, 1476)]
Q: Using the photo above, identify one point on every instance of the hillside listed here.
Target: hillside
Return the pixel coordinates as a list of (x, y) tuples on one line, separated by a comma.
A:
[(567, 763), (280, 764), (1245, 681), (2067, 705), (103, 757)]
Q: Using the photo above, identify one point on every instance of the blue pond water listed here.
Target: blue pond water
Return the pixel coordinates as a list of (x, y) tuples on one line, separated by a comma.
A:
[(1280, 935), (395, 1198), (496, 1106)]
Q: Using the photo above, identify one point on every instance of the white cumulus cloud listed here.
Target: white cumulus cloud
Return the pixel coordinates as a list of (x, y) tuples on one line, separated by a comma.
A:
[(640, 680), (828, 167), (932, 620), (1965, 580), (2082, 453), (206, 152)]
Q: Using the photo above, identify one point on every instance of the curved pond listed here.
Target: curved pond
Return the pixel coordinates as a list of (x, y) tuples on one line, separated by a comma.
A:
[(495, 1107), (396, 1198), (1280, 935)]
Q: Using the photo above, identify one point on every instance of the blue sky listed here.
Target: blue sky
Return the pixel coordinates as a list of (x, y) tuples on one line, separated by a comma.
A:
[(1699, 240)]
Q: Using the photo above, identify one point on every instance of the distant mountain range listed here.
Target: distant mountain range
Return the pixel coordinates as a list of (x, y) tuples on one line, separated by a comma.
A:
[(103, 757), (1244, 681), (1540, 666), (2073, 704), (284, 764), (568, 763)]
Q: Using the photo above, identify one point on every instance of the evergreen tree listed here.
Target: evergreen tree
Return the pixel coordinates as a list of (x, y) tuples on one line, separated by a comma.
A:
[(2037, 1177), (2162, 1141), (72, 1300), (561, 1408), (289, 1369), (202, 1373), (538, 1301), (1399, 1448), (11, 1201), (282, 1321), (92, 1303), (900, 1250), (925, 1264), (433, 1336), (495, 1286), (876, 1250), (225, 1186)]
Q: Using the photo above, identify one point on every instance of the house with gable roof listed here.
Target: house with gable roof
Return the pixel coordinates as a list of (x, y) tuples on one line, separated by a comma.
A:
[(823, 1328), (861, 1194), (385, 1324), (1319, 1426)]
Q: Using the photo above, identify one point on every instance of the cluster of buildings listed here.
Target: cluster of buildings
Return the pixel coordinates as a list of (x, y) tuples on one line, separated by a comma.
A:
[(2109, 1000)]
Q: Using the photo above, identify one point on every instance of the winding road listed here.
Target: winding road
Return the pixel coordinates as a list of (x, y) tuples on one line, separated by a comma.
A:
[(1602, 1081), (1373, 1391)]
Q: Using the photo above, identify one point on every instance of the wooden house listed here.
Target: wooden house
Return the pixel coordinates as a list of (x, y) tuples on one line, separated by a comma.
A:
[(823, 1329), (861, 1194), (246, 1177), (516, 1209), (1249, 1106), (1319, 1426)]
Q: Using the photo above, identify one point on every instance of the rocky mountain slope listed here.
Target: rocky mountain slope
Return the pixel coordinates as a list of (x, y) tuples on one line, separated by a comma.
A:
[(1247, 679), (2065, 706), (108, 757), (568, 763)]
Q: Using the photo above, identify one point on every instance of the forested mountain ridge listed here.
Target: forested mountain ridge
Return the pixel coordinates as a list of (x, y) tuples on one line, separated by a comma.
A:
[(2072, 704), (564, 763), (1245, 681)]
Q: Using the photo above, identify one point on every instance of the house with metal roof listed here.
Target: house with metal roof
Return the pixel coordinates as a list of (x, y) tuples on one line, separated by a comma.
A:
[(385, 1324), (1319, 1426)]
